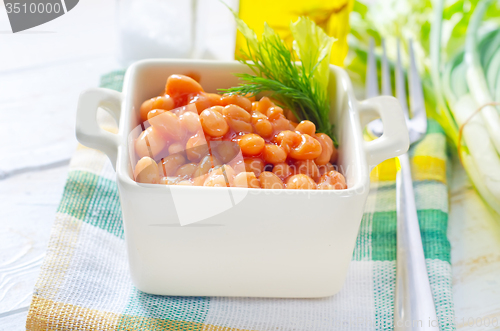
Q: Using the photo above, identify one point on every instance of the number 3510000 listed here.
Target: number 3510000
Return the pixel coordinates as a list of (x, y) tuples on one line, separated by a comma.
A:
[(33, 8)]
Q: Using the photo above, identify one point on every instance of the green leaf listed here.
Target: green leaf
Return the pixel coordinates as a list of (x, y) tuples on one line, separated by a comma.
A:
[(360, 8), (245, 30), (314, 48)]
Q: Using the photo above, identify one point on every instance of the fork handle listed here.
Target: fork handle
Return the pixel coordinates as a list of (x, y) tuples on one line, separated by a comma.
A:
[(414, 307)]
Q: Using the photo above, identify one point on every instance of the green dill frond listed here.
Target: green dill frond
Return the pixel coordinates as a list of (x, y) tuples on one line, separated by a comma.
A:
[(277, 72)]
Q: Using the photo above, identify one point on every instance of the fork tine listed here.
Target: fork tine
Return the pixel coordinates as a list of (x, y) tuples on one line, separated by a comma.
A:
[(371, 73), (386, 73), (417, 104), (401, 83)]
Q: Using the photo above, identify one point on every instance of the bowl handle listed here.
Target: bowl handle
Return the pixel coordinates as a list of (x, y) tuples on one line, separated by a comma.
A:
[(395, 140), (88, 131)]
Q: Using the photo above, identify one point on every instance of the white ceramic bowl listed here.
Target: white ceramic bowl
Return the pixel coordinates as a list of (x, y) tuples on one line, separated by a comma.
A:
[(237, 241)]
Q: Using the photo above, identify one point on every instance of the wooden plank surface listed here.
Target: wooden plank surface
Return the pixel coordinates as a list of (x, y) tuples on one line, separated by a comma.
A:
[(474, 234), (14, 320), (28, 202), (42, 72)]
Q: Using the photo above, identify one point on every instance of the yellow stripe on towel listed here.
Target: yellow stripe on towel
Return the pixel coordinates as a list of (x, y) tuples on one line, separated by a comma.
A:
[(49, 315), (385, 171), (428, 168), (423, 168)]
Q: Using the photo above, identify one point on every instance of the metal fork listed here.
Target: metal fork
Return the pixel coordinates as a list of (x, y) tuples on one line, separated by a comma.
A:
[(413, 301)]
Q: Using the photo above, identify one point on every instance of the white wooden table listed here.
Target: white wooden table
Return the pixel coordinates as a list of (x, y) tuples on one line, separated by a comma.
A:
[(42, 72), (475, 255)]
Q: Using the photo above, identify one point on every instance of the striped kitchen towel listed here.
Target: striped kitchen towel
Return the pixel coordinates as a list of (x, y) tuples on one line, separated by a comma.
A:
[(84, 283)]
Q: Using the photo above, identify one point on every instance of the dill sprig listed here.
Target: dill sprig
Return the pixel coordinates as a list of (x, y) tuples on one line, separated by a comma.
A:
[(277, 72)]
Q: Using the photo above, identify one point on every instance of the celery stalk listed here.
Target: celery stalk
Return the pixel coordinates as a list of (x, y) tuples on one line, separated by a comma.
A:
[(480, 146), (476, 78), (458, 44)]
